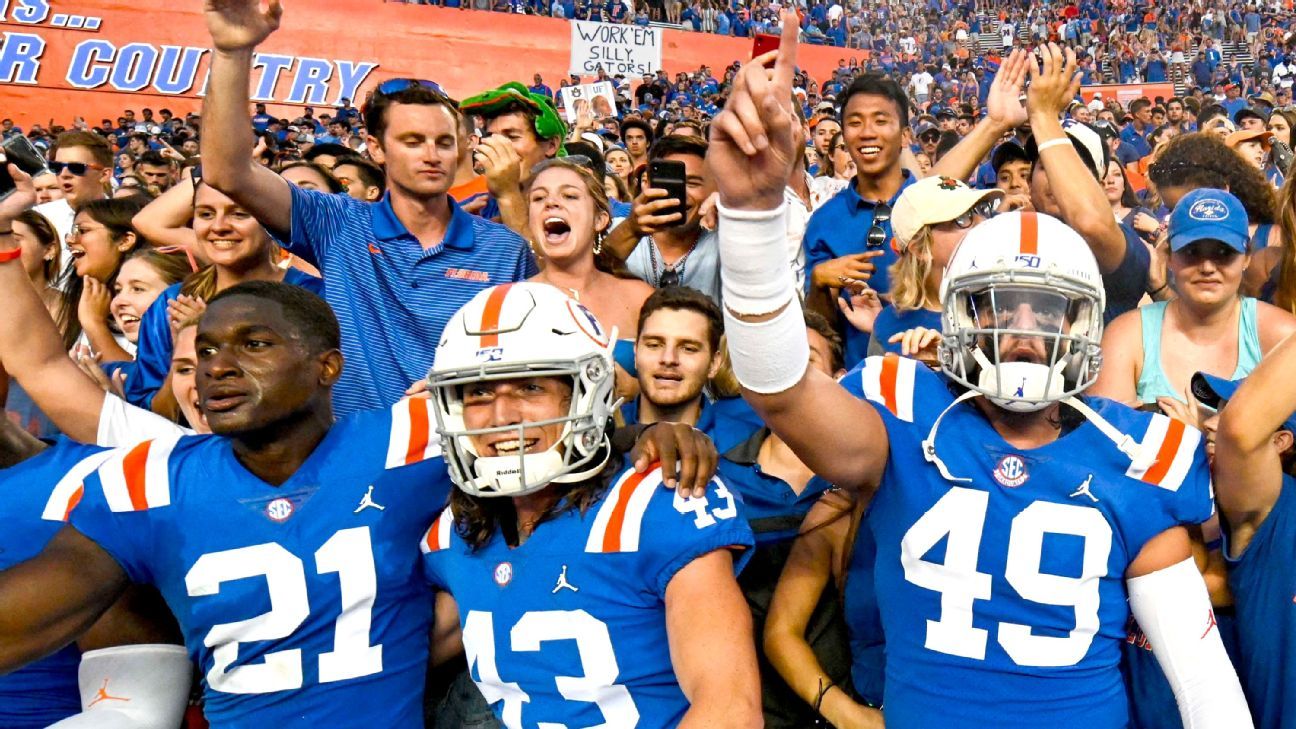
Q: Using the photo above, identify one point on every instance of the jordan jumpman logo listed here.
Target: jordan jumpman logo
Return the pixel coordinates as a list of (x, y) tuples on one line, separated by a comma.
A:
[(368, 503), (563, 583), (1084, 490), (102, 695)]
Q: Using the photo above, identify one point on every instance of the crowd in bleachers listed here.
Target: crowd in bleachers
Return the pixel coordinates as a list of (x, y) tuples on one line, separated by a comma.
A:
[(957, 338)]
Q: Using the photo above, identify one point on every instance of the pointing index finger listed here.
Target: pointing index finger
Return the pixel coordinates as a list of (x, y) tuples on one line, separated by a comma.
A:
[(785, 64)]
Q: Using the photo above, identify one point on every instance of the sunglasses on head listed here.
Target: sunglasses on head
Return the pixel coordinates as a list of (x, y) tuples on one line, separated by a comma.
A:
[(77, 168), (397, 85), (877, 235)]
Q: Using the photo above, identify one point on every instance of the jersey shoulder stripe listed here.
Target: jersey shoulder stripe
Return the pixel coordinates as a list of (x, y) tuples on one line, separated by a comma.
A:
[(438, 535), (889, 381), (1166, 453), (68, 491), (619, 520), (413, 433), (138, 478)]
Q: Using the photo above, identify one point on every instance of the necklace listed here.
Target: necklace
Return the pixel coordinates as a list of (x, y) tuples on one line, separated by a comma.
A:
[(670, 275)]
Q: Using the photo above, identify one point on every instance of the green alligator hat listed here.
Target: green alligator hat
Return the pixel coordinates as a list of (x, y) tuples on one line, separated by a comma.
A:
[(548, 125)]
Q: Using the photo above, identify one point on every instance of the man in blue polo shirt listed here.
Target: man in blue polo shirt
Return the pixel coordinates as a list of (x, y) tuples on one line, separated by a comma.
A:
[(395, 270), (848, 240)]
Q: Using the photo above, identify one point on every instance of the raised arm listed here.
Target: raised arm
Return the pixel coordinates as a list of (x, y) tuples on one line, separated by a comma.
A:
[(165, 221), (237, 27), (30, 346), (1248, 470), (750, 157), (1080, 198), (52, 598), (1004, 112)]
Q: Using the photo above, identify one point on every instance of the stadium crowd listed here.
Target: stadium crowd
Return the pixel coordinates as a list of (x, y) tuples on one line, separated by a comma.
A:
[(935, 393)]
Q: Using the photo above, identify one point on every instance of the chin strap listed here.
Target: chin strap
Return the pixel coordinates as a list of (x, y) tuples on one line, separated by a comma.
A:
[(929, 443), (1123, 441)]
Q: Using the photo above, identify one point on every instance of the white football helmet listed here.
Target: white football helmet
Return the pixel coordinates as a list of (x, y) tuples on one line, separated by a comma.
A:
[(1023, 305), (515, 331)]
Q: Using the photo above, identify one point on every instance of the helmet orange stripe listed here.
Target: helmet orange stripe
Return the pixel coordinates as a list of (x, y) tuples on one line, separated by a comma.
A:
[(1029, 234), (491, 315)]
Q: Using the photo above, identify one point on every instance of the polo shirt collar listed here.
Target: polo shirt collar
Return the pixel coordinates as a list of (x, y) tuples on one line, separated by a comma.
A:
[(458, 235), (859, 202)]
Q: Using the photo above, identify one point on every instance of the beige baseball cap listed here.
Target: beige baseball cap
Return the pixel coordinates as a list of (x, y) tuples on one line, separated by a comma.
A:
[(930, 201)]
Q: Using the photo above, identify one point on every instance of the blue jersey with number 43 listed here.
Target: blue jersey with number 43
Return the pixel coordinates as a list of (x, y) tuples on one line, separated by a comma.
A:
[(569, 628), (302, 604), (1002, 592)]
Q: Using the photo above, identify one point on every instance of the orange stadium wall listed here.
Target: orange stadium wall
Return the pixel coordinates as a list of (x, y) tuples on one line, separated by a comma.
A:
[(94, 58)]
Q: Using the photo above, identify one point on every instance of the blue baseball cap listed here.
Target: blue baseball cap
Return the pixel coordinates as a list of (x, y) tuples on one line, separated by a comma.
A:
[(1209, 214), (1211, 391)]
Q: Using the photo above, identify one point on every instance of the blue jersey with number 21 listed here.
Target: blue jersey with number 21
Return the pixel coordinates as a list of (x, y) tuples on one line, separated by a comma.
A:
[(1002, 592), (302, 603), (569, 628)]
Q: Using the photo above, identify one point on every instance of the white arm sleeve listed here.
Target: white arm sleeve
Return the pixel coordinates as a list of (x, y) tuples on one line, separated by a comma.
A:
[(122, 424), (769, 356), (132, 687), (1174, 611)]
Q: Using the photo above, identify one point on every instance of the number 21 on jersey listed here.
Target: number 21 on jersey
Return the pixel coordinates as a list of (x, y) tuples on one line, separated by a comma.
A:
[(961, 515), (349, 553)]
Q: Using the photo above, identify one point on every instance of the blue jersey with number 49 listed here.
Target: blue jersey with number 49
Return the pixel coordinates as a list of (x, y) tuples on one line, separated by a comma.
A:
[(569, 628), (302, 604), (1002, 592)]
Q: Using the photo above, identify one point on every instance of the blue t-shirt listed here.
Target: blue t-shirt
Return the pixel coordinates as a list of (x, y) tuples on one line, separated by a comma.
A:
[(301, 603), (1002, 591), (863, 621), (1126, 284), (393, 297), (569, 627), (35, 498), (1263, 581), (839, 228), (890, 322), (155, 346)]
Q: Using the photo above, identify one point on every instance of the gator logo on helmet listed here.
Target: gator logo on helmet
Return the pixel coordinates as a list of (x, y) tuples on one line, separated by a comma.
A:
[(949, 183)]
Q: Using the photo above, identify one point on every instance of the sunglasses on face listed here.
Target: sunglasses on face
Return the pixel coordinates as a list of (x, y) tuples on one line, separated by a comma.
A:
[(985, 210), (877, 235), (77, 168)]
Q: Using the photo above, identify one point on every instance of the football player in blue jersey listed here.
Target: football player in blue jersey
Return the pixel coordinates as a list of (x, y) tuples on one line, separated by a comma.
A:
[(587, 595), (1257, 498), (133, 644), (1012, 544)]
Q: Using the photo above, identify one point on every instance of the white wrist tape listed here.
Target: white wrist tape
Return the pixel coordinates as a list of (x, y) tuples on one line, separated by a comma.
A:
[(1174, 612), (132, 687), (769, 356), (755, 276)]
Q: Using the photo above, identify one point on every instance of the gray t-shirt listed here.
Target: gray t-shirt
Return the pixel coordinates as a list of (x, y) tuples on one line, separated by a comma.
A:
[(700, 270)]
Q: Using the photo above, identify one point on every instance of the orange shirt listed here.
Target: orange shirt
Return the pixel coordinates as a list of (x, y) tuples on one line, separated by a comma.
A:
[(467, 190)]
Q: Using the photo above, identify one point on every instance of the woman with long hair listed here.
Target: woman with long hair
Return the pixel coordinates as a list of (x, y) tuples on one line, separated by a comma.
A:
[(836, 171), (100, 239), (234, 247), (1125, 205), (39, 243), (569, 214), (1281, 122), (1151, 354)]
